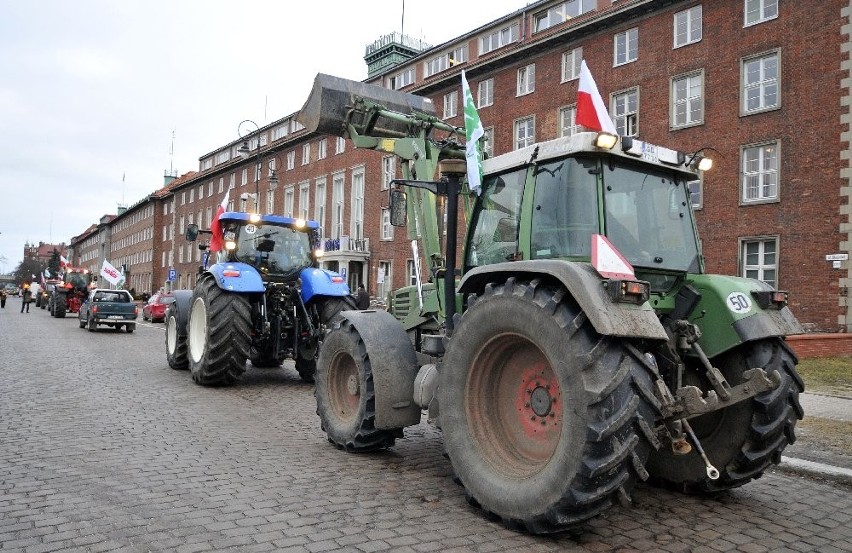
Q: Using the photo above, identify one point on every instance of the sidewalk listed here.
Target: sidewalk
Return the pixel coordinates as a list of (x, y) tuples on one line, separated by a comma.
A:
[(827, 407)]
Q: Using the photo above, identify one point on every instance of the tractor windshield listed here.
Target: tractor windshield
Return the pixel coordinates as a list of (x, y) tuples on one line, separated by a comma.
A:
[(272, 249), (648, 217), (77, 280)]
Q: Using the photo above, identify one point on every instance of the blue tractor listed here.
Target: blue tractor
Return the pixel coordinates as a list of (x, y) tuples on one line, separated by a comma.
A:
[(263, 299)]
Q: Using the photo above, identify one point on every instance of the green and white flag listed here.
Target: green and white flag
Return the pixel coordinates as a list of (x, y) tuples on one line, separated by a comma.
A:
[(473, 132)]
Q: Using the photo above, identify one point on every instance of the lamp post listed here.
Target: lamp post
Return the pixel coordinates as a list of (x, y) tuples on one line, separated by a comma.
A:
[(245, 151)]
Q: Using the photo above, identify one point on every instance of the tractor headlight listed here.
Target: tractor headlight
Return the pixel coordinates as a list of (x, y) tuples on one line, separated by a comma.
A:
[(319, 253), (254, 218), (606, 140), (230, 245), (299, 223)]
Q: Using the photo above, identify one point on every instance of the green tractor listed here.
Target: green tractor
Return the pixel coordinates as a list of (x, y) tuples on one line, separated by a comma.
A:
[(579, 347)]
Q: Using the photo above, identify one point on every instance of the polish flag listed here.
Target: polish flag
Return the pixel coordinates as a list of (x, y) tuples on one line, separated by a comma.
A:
[(591, 110), (217, 242), (62, 261)]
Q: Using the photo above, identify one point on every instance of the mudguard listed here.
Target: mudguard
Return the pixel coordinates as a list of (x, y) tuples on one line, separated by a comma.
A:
[(180, 307), (237, 277), (585, 286), (394, 365), (728, 314), (319, 282)]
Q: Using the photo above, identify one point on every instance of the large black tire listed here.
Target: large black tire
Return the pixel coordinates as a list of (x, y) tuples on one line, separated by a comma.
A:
[(330, 310), (59, 311), (129, 327), (219, 334), (176, 348), (546, 422), (744, 439), (346, 398)]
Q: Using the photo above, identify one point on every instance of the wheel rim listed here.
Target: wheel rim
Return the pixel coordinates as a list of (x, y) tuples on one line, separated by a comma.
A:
[(344, 387), (197, 329), (513, 406), (171, 336)]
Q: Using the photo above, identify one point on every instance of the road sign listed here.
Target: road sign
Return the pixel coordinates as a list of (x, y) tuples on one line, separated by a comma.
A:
[(837, 257), (172, 275)]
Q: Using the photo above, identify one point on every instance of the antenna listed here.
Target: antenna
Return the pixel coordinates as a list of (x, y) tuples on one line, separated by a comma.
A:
[(122, 187), (265, 105), (402, 23), (172, 154)]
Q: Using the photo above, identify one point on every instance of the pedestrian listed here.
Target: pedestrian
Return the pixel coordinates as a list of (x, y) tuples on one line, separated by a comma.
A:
[(27, 298), (3, 298), (362, 299)]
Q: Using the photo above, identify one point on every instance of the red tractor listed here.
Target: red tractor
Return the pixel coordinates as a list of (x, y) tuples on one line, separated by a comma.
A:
[(68, 295)]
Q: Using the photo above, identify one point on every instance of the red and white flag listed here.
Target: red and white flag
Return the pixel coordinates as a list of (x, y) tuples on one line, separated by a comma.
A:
[(591, 110), (217, 242), (62, 261)]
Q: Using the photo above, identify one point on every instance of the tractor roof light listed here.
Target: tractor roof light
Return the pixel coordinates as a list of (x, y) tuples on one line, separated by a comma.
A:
[(254, 218), (300, 223), (628, 291), (705, 164), (230, 245), (319, 253), (606, 141)]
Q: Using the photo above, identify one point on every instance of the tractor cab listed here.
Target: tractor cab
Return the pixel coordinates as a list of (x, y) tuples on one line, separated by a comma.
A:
[(278, 249)]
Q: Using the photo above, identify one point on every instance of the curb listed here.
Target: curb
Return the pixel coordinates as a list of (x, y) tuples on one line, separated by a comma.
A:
[(819, 470)]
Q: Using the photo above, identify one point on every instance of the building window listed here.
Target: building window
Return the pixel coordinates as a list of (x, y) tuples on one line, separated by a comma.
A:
[(270, 201), (209, 216), (183, 198), (356, 229), (760, 260), (402, 79), (289, 196), (319, 203), (270, 167), (524, 132), (688, 100), (445, 61), (571, 64), (304, 200), (485, 93), (210, 186), (322, 148), (568, 121), (340, 146), (696, 192), (498, 39), (451, 102), (411, 270), (625, 108), (760, 173), (758, 11), (384, 278), (561, 13), (387, 228), (231, 182), (306, 153), (626, 47), (337, 205), (388, 171), (291, 160), (488, 142), (760, 83), (687, 26), (244, 177), (526, 79)]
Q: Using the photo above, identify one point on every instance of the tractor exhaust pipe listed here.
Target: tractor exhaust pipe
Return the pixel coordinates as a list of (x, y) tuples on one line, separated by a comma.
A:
[(333, 105)]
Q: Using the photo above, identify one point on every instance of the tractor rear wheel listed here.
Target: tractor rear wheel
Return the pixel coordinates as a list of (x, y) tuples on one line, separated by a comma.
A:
[(176, 348), (345, 394), (744, 439), (545, 421), (59, 311), (219, 334)]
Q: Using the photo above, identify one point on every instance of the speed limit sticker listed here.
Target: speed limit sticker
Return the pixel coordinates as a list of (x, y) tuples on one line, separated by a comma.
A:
[(251, 229), (739, 302)]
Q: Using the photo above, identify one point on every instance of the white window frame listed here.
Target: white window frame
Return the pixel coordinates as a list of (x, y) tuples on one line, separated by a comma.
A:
[(764, 85), (383, 288), (765, 10), (696, 192), (626, 121), (270, 200), (340, 145), (356, 217), (526, 80), (388, 171), (411, 272), (571, 64), (402, 79), (322, 148), (319, 202), (528, 139), (560, 13), (488, 142), (451, 104), (485, 93), (689, 101), (306, 153), (289, 200), (568, 120), (692, 20), (499, 38), (444, 61), (387, 228), (244, 177), (768, 179), (291, 160), (625, 47), (759, 270), (338, 200), (305, 200)]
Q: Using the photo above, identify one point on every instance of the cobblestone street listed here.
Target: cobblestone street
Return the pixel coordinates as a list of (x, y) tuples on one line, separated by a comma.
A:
[(104, 448)]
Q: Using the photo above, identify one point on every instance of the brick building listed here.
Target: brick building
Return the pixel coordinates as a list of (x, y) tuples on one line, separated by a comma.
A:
[(763, 85), (43, 252)]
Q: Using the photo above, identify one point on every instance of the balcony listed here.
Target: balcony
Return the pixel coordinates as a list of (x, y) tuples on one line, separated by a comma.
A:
[(347, 244)]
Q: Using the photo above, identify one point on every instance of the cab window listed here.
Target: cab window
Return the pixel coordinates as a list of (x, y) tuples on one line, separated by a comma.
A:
[(494, 238)]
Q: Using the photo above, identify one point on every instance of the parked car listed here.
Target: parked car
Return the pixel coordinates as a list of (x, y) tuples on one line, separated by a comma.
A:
[(113, 308), (155, 309)]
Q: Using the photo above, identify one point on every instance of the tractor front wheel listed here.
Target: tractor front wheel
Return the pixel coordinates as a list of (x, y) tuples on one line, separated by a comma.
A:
[(744, 439), (219, 334), (176, 348), (345, 394), (545, 421)]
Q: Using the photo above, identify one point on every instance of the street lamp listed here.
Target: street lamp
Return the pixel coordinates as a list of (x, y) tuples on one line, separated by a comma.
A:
[(245, 151)]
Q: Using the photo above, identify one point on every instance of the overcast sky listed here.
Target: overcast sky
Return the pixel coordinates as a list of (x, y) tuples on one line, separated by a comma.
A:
[(92, 90)]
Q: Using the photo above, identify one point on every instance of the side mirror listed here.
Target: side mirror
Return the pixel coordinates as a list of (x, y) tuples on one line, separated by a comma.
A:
[(191, 233), (397, 207)]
